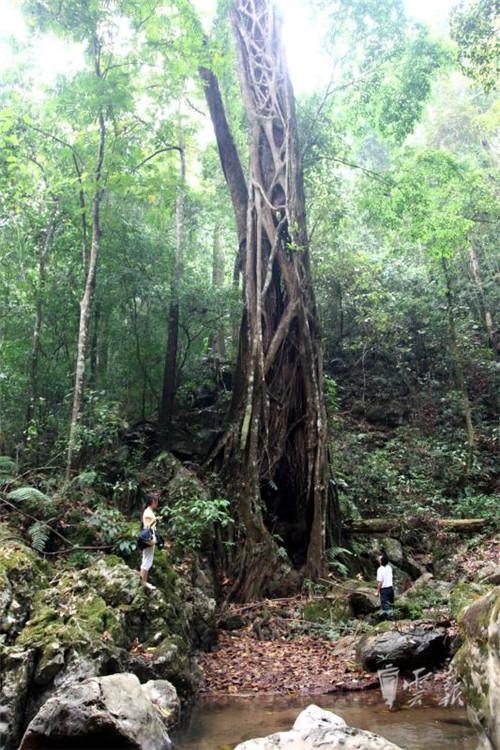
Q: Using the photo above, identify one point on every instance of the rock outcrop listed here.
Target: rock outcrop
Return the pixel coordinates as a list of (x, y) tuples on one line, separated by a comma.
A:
[(407, 650), (477, 664), (109, 712), (21, 575), (94, 622), (316, 729)]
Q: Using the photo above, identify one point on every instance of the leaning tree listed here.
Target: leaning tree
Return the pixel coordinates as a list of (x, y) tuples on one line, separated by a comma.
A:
[(274, 452)]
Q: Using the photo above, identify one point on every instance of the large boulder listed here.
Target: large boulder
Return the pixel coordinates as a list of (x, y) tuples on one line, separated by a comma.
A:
[(100, 621), (477, 664), (110, 712), (409, 650), (316, 729)]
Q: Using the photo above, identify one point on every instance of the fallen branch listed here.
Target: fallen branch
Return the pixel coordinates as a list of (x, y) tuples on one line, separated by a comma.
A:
[(378, 525)]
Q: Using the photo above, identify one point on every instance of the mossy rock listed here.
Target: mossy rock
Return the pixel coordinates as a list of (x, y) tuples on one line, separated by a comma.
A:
[(327, 610), (477, 664), (22, 574), (464, 594), (425, 594), (101, 608)]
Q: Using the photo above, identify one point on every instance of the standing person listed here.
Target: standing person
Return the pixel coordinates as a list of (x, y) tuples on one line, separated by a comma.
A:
[(385, 587), (149, 521)]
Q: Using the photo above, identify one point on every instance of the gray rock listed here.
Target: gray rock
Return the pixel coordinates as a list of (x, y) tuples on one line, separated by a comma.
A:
[(51, 662), (392, 547), (163, 696), (16, 669), (477, 663), (489, 574), (102, 712), (410, 650), (314, 717), (364, 601), (316, 729)]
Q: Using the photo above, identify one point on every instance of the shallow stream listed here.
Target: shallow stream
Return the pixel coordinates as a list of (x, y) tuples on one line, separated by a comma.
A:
[(222, 725)]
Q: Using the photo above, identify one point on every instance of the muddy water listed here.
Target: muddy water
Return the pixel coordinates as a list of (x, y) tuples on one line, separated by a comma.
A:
[(213, 726)]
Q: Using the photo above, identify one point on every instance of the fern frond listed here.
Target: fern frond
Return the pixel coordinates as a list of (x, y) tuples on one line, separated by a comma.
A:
[(7, 466), (85, 478), (39, 533), (23, 494)]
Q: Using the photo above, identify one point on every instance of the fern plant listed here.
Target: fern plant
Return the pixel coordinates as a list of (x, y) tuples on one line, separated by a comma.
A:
[(39, 533), (7, 470), (28, 494)]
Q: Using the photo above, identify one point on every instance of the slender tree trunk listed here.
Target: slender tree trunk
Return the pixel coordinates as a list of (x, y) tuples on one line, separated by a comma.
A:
[(170, 368), (275, 449), (459, 370), (483, 305), (42, 274), (86, 301)]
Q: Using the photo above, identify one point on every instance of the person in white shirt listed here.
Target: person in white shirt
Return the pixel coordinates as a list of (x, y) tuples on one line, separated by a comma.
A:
[(385, 587), (149, 521)]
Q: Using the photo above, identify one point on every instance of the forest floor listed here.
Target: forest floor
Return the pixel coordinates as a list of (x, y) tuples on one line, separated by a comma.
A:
[(268, 655)]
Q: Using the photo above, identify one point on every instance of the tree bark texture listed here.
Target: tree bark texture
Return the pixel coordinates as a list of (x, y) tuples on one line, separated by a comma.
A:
[(170, 367), (276, 447)]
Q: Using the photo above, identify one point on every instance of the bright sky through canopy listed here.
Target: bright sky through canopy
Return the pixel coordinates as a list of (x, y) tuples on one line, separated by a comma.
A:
[(52, 55)]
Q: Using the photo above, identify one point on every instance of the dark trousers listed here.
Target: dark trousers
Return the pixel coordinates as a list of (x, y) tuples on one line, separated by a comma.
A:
[(387, 598)]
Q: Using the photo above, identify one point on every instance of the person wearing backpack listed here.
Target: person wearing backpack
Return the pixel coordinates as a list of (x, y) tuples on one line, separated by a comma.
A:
[(149, 521)]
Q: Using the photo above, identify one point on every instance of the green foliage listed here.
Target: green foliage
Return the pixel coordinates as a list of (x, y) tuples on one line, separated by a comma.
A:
[(39, 533), (413, 472), (332, 556), (7, 470), (472, 504), (474, 26), (29, 495), (395, 103), (191, 519), (112, 529)]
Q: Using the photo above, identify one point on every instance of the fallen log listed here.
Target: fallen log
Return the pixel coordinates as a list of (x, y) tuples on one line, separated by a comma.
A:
[(381, 525)]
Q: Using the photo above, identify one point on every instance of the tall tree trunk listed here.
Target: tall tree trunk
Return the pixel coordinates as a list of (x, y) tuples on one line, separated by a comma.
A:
[(86, 301), (216, 344), (42, 275), (170, 368), (274, 452), (459, 370), (483, 305)]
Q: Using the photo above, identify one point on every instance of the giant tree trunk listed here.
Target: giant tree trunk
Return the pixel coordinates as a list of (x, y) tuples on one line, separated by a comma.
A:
[(274, 453), (170, 368)]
